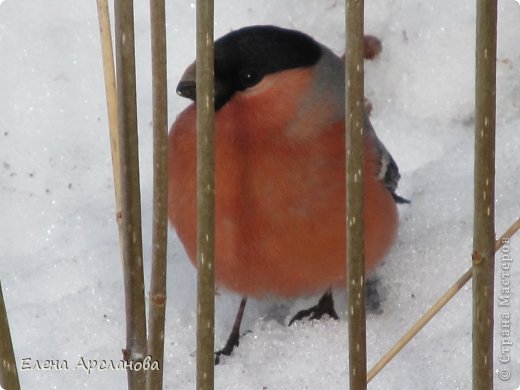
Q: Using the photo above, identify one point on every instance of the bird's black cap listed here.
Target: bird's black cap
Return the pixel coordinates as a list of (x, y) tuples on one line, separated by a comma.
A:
[(243, 57)]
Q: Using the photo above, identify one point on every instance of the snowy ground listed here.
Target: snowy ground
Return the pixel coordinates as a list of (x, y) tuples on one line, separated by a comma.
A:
[(60, 265)]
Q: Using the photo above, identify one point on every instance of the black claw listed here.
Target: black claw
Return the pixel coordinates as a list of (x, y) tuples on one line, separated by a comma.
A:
[(234, 337), (325, 306), (232, 342)]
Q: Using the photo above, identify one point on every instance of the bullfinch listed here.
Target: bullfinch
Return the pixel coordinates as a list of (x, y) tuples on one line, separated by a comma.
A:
[(280, 170)]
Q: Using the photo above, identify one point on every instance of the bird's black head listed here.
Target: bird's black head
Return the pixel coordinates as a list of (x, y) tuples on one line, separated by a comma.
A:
[(243, 57)]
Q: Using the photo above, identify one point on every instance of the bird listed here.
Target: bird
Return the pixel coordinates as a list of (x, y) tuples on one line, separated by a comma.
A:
[(280, 182)]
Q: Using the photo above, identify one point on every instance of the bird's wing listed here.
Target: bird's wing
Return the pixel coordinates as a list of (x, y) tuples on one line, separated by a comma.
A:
[(388, 169)]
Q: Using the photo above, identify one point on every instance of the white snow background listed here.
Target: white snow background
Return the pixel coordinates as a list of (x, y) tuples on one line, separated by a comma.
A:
[(59, 255)]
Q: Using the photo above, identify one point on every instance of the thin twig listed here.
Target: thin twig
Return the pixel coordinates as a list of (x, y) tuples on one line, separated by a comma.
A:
[(484, 195), (354, 123), (130, 193), (437, 306), (205, 196), (157, 301), (8, 372), (111, 97)]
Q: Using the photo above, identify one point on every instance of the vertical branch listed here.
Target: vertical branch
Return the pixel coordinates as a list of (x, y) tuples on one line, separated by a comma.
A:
[(157, 301), (484, 196), (8, 372), (111, 96), (205, 196), (354, 74), (130, 193)]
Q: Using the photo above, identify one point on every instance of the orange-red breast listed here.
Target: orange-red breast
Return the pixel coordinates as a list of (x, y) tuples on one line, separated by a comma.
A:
[(280, 167)]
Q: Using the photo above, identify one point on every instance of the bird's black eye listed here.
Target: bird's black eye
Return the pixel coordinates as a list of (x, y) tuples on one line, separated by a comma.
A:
[(249, 78)]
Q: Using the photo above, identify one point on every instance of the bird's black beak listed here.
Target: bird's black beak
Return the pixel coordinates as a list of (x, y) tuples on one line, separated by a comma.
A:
[(187, 87)]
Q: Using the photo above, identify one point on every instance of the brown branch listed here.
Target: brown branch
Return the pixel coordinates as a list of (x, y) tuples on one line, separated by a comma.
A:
[(8, 372), (354, 74), (130, 193), (157, 301), (111, 97), (205, 196), (484, 195)]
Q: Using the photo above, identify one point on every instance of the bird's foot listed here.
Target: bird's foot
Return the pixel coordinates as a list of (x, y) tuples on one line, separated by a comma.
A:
[(234, 337), (373, 299), (231, 343), (325, 306)]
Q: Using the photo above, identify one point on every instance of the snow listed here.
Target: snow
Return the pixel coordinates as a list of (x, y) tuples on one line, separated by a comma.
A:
[(61, 272)]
